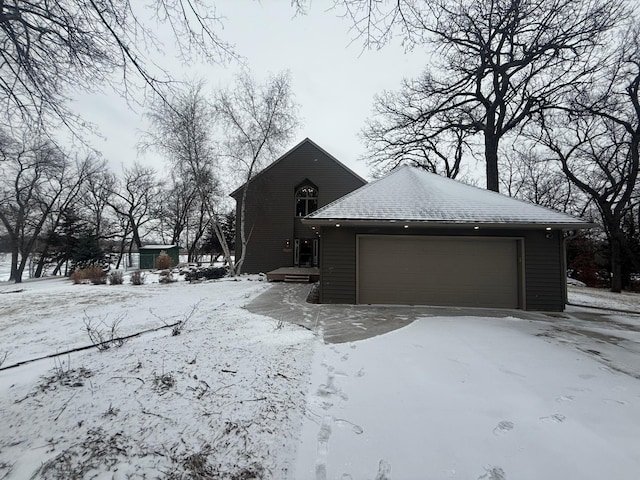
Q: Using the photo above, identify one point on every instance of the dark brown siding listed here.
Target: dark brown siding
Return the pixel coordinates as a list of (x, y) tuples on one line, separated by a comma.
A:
[(543, 271), (543, 267), (337, 266), (270, 204)]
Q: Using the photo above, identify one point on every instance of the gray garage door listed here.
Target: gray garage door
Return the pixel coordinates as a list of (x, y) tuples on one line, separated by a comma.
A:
[(457, 271)]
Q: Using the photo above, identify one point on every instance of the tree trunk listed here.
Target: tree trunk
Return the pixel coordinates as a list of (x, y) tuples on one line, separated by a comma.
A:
[(13, 277), (616, 261), (20, 269), (41, 261), (491, 158)]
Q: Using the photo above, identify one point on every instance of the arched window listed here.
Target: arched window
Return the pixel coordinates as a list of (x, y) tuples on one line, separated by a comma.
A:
[(306, 200)]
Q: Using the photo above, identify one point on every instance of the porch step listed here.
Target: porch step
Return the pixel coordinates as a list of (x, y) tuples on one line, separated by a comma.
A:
[(297, 278)]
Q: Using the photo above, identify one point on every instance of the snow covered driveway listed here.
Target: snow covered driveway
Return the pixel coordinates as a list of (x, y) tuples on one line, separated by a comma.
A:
[(476, 398)]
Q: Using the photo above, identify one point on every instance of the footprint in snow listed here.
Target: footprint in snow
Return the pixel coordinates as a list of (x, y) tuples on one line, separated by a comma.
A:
[(565, 398), (503, 427), (493, 473), (323, 435), (384, 470), (321, 471), (357, 429), (360, 373), (556, 418), (345, 357)]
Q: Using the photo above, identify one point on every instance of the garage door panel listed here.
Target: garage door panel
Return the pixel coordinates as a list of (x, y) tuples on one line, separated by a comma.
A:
[(418, 270)]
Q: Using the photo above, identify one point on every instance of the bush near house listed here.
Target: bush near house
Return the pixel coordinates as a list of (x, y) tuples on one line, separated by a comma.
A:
[(164, 261), (137, 278), (116, 277), (94, 274), (205, 273)]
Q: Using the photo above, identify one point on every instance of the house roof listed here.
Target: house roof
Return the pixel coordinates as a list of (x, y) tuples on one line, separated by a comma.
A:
[(156, 247), (306, 140), (412, 195)]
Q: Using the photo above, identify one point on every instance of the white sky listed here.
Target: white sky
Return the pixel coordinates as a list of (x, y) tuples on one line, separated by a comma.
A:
[(334, 80)]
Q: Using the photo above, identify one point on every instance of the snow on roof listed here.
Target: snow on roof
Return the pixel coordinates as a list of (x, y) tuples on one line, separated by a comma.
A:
[(157, 247), (414, 195)]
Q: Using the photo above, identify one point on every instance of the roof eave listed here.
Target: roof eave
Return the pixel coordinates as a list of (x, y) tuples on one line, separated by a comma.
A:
[(288, 152), (349, 222)]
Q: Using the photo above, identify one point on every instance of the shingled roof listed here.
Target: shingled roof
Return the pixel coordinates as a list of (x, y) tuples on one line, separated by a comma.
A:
[(411, 195)]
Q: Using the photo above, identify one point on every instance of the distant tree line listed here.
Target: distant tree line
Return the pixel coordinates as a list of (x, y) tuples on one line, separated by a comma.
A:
[(66, 210), (63, 208)]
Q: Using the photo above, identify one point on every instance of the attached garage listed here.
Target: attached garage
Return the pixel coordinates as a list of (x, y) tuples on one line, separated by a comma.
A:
[(415, 238), (424, 270)]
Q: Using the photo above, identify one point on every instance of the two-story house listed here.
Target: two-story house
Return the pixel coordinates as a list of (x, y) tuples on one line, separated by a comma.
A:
[(298, 183)]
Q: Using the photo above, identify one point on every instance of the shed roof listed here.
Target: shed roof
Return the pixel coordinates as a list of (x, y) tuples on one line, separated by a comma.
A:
[(412, 195), (156, 247)]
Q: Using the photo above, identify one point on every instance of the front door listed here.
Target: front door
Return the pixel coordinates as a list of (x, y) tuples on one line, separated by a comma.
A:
[(305, 252)]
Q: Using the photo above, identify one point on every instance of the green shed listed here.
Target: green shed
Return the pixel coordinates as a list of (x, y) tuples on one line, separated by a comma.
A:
[(150, 253)]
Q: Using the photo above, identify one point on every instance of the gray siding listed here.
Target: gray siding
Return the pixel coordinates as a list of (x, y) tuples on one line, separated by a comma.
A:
[(543, 271), (337, 266), (543, 282), (270, 209)]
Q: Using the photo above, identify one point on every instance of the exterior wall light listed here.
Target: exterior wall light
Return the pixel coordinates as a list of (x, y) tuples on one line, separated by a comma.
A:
[(548, 229), (406, 226), (337, 224), (476, 228)]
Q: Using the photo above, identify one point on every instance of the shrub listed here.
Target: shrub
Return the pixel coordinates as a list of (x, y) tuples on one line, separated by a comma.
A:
[(96, 275), (93, 273), (163, 262), (78, 277), (205, 273), (102, 334), (166, 277), (137, 277), (116, 277)]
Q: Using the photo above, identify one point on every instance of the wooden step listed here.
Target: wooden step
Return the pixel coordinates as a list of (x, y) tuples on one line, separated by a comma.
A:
[(297, 278)]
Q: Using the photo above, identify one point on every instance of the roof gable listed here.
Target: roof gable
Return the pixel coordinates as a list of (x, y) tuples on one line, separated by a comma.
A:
[(289, 152), (410, 194)]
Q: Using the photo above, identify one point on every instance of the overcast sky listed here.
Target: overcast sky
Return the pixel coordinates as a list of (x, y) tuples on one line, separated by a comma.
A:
[(333, 79)]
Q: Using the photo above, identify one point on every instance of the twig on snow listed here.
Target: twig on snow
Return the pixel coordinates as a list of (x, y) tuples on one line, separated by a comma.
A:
[(64, 407)]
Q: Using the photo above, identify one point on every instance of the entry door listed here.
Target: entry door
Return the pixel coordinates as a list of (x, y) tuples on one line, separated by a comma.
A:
[(305, 252)]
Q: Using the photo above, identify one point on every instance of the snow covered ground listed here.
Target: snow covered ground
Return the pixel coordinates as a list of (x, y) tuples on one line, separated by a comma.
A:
[(220, 400), (238, 395)]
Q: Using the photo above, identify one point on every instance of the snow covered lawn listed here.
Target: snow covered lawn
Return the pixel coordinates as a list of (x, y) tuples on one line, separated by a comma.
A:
[(238, 395), (221, 400)]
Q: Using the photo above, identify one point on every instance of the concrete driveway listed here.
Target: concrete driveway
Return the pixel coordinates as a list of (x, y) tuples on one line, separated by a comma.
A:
[(348, 323)]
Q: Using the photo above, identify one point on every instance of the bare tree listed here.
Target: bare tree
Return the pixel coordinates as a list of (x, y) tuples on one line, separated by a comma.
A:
[(134, 199), (50, 48), (71, 183), (182, 128), (258, 122), (528, 175), (39, 182), (94, 202), (399, 134), (497, 62), (596, 139)]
